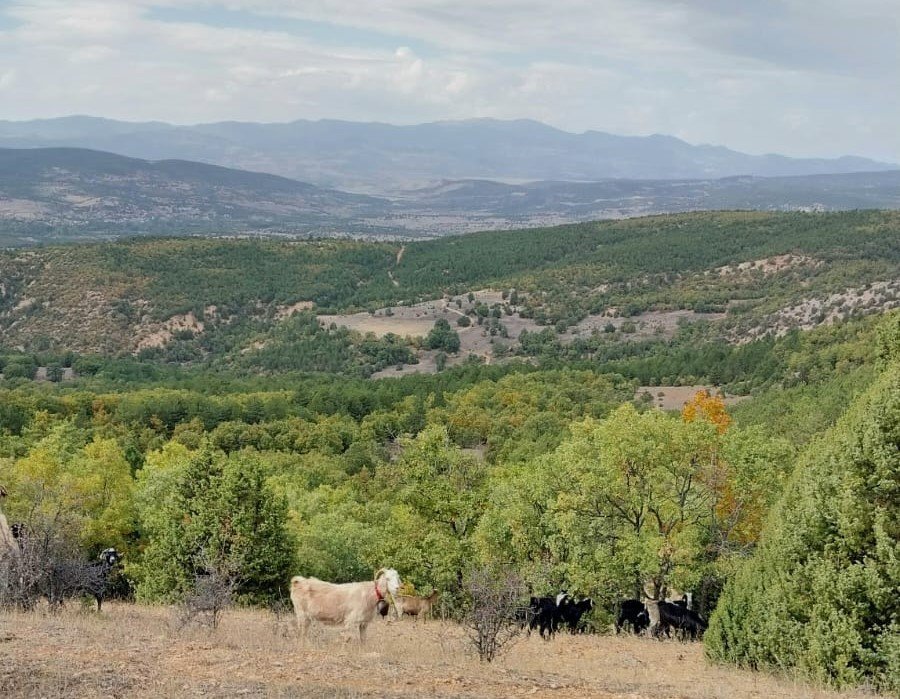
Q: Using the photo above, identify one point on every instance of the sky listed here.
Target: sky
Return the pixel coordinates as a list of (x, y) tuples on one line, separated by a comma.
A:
[(799, 77)]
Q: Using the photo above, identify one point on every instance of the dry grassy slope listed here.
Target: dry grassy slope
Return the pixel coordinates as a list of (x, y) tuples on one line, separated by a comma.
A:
[(55, 294), (132, 651)]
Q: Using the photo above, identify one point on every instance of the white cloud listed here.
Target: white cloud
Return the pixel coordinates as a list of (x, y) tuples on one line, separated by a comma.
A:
[(771, 75)]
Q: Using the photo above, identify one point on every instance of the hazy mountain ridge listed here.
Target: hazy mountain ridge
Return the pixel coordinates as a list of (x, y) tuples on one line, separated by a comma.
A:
[(378, 157), (614, 198), (68, 194)]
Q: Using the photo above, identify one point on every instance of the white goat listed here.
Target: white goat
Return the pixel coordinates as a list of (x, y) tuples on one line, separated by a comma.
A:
[(8, 544), (9, 550), (351, 605)]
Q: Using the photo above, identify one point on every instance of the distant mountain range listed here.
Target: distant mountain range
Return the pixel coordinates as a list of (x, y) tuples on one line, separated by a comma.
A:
[(49, 194), (382, 158)]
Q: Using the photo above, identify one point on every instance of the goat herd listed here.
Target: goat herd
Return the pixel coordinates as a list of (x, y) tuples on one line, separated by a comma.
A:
[(352, 606), (656, 619)]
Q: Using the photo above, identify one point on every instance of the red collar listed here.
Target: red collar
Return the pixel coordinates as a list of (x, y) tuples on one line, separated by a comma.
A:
[(378, 594)]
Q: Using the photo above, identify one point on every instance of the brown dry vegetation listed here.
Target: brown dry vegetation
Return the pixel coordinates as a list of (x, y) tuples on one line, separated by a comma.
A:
[(135, 651)]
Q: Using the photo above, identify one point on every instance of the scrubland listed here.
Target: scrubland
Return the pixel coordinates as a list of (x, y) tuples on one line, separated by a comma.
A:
[(139, 651)]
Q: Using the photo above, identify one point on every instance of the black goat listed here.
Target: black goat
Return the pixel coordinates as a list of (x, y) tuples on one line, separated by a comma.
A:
[(682, 620), (544, 616), (71, 579), (570, 612), (549, 614), (633, 614)]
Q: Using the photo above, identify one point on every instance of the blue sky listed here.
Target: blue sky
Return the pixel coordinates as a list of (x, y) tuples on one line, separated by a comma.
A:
[(801, 77)]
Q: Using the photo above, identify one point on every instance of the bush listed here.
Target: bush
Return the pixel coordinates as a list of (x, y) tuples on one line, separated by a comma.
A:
[(820, 595), (442, 337), (218, 513), (493, 599)]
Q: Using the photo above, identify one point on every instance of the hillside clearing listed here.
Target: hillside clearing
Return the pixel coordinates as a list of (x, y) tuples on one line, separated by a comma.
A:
[(134, 651), (674, 397)]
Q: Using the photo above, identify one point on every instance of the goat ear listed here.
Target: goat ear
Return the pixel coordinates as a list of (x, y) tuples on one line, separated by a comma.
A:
[(380, 572)]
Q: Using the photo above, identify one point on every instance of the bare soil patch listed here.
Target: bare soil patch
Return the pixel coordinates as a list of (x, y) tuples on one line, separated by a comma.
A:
[(283, 312), (133, 651), (159, 335), (768, 265), (674, 397), (418, 319), (877, 297)]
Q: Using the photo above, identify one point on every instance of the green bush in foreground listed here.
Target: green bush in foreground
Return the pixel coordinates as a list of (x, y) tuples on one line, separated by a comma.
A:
[(203, 508), (822, 593)]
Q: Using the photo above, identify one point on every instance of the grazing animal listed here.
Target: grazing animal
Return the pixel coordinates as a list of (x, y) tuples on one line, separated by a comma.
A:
[(549, 614), (571, 611), (72, 579), (685, 622), (544, 616), (350, 605), (633, 614), (412, 605), (8, 544), (682, 599)]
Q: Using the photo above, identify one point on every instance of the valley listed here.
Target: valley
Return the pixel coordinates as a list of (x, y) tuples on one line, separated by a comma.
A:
[(54, 195)]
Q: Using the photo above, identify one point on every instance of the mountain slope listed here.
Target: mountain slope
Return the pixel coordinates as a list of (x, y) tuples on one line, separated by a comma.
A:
[(566, 201), (381, 157), (49, 194), (72, 193), (754, 272)]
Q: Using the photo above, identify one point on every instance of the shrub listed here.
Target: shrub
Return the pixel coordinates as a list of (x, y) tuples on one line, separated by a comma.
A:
[(442, 337), (217, 513), (493, 599), (820, 595)]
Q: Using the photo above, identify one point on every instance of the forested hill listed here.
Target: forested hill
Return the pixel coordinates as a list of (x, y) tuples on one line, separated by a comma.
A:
[(753, 273)]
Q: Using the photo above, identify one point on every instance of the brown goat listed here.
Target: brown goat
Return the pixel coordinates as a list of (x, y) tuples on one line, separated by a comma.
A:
[(415, 606)]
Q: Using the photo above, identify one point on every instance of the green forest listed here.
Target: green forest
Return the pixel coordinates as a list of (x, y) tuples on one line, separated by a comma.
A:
[(261, 442)]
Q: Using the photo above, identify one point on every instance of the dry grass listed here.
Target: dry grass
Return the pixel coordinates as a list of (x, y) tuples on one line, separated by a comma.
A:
[(131, 651), (674, 397)]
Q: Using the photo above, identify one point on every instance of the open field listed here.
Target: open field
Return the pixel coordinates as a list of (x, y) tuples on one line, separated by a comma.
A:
[(674, 397), (416, 320), (133, 651)]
